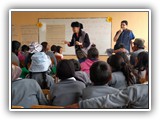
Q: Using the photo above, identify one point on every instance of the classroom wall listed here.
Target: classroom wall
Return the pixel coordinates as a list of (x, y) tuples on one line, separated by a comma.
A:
[(138, 21)]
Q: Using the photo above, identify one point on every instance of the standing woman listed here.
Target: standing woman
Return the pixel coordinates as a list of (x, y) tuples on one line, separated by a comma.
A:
[(80, 40)]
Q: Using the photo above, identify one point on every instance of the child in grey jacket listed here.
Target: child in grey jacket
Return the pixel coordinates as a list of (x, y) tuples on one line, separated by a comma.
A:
[(135, 96), (38, 70), (68, 90), (80, 75), (25, 92), (100, 75), (122, 75)]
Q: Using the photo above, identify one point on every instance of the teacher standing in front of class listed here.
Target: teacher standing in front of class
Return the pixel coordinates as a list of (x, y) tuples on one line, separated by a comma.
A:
[(124, 36), (80, 40)]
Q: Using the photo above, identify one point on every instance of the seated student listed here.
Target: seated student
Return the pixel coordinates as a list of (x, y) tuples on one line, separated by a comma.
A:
[(25, 92), (80, 75), (137, 48), (58, 53), (68, 90), (133, 97), (100, 75), (33, 48), (22, 55), (120, 49), (49, 53), (38, 70), (14, 55), (54, 48), (141, 65), (124, 56), (92, 56), (122, 75)]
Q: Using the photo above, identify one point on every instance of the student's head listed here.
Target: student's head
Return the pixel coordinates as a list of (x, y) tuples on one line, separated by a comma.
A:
[(93, 53), (100, 73), (16, 72), (121, 45), (40, 62), (15, 47), (115, 61), (124, 56), (65, 69), (54, 48), (25, 48), (118, 64), (124, 24), (45, 46), (138, 44), (35, 47), (76, 27), (142, 61), (76, 64), (59, 49)]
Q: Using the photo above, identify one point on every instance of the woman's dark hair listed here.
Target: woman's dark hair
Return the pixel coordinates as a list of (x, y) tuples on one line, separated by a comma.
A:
[(44, 44), (44, 82), (93, 52), (142, 63), (77, 24), (15, 46), (124, 56), (58, 49), (65, 69), (100, 73), (117, 63), (125, 21), (25, 48), (76, 64), (54, 48)]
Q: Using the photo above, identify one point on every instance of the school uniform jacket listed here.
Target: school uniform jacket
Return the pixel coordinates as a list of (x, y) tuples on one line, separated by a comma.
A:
[(135, 96), (39, 78), (67, 92), (97, 91), (27, 92), (82, 76), (118, 80)]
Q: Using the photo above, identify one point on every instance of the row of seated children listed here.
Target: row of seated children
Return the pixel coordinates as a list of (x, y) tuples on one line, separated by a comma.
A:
[(97, 79), (22, 57)]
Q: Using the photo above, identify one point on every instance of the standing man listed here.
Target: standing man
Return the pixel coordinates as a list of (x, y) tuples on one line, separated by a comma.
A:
[(124, 36)]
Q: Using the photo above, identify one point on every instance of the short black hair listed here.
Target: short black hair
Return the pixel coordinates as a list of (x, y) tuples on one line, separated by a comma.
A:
[(24, 48), (44, 44), (54, 48), (125, 21), (76, 64), (143, 59), (77, 24), (100, 73), (118, 46), (58, 49), (65, 69), (15, 46), (93, 52)]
